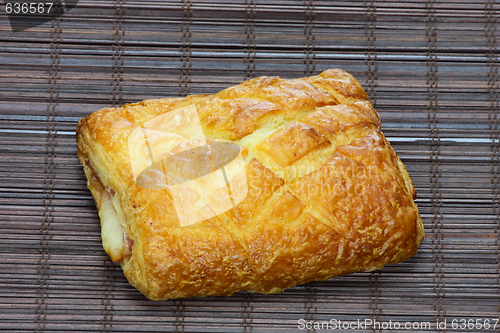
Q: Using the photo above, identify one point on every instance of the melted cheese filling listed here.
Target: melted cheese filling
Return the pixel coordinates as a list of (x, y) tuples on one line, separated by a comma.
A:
[(115, 240), (111, 230)]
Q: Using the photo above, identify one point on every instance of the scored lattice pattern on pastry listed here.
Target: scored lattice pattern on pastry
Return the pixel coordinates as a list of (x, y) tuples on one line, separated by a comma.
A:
[(327, 195)]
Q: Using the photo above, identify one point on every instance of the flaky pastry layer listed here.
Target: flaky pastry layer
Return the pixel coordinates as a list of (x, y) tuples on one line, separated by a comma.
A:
[(327, 194)]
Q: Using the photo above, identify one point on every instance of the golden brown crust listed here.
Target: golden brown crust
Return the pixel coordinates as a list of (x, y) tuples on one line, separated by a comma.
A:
[(327, 194), (292, 142)]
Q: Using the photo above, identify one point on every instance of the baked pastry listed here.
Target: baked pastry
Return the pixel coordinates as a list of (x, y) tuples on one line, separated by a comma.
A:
[(263, 186)]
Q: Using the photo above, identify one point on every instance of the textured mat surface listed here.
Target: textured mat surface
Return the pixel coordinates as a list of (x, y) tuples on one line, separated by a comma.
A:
[(429, 67)]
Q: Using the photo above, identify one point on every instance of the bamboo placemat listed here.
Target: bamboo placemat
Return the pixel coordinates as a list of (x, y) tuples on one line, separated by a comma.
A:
[(429, 67)]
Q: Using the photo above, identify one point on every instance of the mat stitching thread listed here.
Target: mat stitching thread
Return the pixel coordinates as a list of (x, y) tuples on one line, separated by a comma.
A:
[(247, 309), (187, 19), (371, 51), (107, 297), (371, 84), (435, 183), (115, 100), (375, 295), (250, 39), (179, 308), (49, 174), (118, 54), (309, 42), (309, 60), (493, 106), (310, 304), (247, 302)]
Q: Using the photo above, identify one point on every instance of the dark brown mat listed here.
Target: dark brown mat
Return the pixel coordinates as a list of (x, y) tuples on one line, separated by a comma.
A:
[(429, 67)]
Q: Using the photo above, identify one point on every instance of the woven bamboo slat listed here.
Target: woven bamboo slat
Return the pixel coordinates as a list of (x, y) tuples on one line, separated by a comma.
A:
[(430, 68)]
